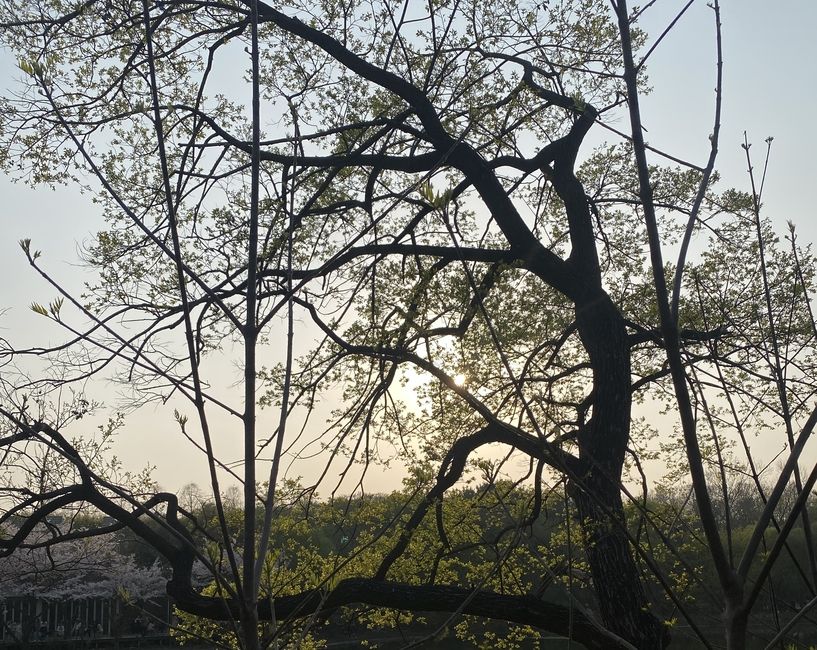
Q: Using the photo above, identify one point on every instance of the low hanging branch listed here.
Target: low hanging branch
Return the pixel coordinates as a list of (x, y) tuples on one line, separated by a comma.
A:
[(524, 610)]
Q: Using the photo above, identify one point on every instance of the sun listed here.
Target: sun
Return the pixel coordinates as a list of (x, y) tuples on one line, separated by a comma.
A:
[(459, 379)]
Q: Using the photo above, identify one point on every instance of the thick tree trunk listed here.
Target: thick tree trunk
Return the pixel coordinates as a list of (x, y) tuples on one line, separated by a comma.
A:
[(602, 445), (622, 602)]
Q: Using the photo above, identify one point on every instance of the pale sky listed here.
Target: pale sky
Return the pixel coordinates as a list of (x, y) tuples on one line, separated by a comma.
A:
[(770, 89)]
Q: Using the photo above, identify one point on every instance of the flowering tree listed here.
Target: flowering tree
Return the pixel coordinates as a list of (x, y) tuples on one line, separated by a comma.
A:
[(86, 567)]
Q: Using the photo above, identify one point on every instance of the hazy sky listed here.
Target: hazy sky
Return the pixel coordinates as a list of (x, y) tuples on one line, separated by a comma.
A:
[(770, 90)]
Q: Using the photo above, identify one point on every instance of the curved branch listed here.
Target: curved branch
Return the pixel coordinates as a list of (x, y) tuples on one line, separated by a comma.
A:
[(524, 610), (454, 464)]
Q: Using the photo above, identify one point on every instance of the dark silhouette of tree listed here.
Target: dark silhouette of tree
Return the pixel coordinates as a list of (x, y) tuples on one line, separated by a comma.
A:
[(402, 184)]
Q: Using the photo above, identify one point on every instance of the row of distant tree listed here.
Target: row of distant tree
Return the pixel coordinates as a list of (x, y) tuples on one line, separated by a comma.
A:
[(490, 542)]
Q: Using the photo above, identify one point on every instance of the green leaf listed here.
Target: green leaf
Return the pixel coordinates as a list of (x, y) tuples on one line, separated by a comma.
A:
[(54, 307), (427, 192)]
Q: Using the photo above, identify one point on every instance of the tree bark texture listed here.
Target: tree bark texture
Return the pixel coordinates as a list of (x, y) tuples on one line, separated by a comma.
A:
[(602, 445)]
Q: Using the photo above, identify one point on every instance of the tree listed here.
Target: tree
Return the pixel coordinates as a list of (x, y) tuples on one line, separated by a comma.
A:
[(420, 201), (85, 567)]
